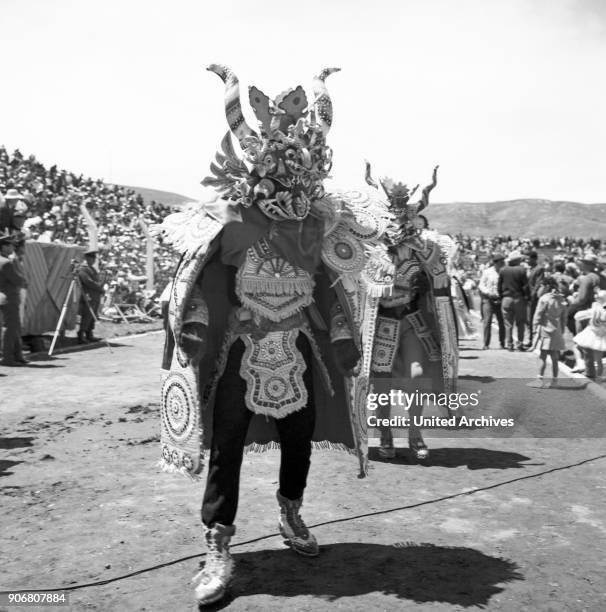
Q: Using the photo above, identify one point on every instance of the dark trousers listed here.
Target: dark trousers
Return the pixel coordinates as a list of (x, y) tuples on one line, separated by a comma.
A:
[(87, 321), (514, 313), (12, 348), (230, 425), (492, 307), (532, 307)]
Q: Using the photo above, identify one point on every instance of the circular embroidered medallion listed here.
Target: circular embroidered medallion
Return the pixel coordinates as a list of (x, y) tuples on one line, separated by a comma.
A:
[(276, 388), (342, 252), (178, 414)]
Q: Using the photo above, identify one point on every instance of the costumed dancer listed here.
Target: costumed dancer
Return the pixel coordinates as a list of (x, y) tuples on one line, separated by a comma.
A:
[(549, 323), (415, 344), (265, 314), (593, 337)]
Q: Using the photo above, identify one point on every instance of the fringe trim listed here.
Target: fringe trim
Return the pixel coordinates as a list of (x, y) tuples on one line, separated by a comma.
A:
[(377, 290), (274, 316), (255, 447), (170, 468), (277, 286)]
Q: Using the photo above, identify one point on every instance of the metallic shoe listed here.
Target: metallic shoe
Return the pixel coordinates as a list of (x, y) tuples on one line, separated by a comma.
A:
[(419, 448), (293, 529), (211, 582)]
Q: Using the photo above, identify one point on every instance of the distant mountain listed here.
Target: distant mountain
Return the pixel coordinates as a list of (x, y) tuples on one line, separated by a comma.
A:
[(164, 197), (522, 218)]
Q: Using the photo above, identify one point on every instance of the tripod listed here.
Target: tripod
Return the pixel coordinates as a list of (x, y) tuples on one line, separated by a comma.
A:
[(74, 282)]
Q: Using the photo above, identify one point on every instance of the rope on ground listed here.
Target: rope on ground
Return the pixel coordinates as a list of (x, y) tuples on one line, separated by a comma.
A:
[(436, 500)]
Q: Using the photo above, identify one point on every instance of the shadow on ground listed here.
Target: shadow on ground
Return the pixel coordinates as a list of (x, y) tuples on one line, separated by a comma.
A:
[(5, 465), (482, 379), (6, 443), (415, 572), (472, 458)]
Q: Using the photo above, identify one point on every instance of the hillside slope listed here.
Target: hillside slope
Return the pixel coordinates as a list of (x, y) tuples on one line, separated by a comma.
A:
[(524, 218)]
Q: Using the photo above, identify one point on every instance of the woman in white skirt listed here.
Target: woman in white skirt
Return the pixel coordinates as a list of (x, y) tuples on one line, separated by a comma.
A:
[(593, 337), (550, 321)]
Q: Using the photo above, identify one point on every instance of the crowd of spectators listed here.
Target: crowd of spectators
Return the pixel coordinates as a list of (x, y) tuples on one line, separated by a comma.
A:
[(506, 278), (477, 250), (54, 197)]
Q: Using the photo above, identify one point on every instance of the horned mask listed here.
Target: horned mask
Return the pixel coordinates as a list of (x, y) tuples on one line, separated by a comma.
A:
[(285, 163)]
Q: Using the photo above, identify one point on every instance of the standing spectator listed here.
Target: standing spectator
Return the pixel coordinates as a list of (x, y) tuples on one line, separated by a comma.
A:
[(12, 205), (514, 294), (11, 283), (92, 290), (550, 322), (536, 274), (587, 283), (593, 337), (491, 302), (564, 280), (18, 262), (602, 271)]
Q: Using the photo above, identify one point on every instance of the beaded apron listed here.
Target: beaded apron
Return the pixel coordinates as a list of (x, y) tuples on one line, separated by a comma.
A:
[(273, 292)]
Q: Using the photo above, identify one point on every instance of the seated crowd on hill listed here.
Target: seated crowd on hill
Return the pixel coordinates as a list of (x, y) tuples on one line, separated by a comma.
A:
[(53, 200)]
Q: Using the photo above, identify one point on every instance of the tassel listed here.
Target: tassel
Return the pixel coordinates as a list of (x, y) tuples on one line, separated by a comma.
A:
[(170, 468)]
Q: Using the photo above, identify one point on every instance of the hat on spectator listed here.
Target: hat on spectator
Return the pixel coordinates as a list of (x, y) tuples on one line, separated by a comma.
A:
[(90, 252), (514, 256), (498, 257), (13, 194), (590, 258), (533, 254)]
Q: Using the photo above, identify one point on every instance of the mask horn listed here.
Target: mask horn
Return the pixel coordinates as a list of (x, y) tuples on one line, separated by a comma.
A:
[(233, 108), (424, 201), (323, 103), (368, 176)]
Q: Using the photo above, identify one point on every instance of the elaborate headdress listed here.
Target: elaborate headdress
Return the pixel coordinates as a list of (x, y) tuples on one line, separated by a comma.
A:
[(283, 165), (406, 221)]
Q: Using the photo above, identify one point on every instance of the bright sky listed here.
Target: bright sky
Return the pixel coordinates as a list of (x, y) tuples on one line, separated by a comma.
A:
[(508, 96)]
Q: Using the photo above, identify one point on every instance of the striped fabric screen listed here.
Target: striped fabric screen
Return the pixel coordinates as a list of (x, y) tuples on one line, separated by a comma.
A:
[(47, 269)]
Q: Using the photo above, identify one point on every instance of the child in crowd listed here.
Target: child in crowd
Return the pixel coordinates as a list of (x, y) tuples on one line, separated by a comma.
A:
[(549, 322), (593, 338)]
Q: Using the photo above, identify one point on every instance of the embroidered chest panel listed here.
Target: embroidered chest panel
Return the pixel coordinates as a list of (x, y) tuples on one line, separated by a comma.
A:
[(402, 288), (270, 286)]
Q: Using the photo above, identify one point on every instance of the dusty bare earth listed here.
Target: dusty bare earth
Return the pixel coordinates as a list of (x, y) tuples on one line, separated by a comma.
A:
[(501, 523)]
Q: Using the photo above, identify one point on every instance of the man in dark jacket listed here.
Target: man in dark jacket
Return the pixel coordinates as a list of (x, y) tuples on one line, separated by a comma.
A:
[(90, 298), (11, 283), (514, 293)]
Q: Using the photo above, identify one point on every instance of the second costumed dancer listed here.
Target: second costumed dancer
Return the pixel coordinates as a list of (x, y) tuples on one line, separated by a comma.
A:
[(415, 343)]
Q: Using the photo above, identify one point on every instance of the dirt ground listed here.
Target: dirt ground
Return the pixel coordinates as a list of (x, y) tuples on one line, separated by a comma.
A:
[(500, 523)]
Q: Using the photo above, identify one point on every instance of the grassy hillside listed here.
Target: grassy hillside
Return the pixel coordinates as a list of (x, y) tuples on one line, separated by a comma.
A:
[(524, 218)]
